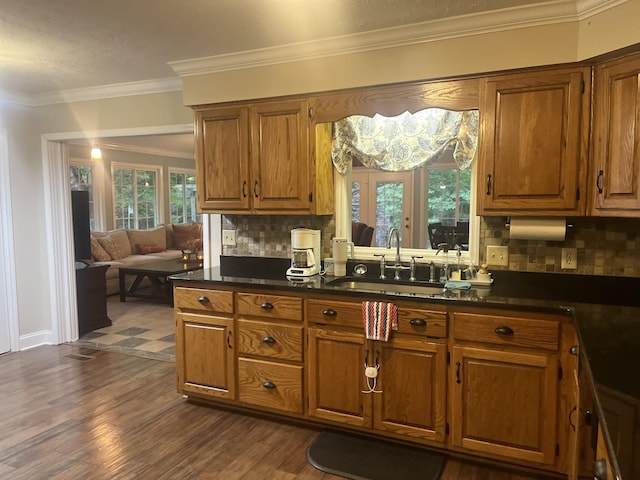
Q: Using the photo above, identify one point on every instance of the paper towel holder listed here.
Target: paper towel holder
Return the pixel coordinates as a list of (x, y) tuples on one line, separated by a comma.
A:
[(507, 225)]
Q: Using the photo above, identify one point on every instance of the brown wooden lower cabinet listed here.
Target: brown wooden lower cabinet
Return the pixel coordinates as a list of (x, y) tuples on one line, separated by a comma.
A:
[(207, 356), (487, 382), (407, 397), (505, 403)]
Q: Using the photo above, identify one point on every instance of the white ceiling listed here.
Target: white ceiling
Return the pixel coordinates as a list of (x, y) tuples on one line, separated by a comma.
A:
[(50, 49)]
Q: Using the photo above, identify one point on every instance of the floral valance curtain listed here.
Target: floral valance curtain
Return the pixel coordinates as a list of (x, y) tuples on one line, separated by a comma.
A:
[(405, 142)]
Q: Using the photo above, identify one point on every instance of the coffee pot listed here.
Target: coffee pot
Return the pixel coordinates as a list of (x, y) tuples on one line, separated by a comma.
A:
[(305, 253)]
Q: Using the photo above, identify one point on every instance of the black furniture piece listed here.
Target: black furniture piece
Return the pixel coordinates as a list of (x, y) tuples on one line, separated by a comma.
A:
[(158, 288), (361, 234), (91, 294)]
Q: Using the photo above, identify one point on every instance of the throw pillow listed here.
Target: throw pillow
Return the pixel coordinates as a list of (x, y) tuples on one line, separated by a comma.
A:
[(97, 252), (119, 236), (144, 249), (113, 247), (153, 236), (187, 237)]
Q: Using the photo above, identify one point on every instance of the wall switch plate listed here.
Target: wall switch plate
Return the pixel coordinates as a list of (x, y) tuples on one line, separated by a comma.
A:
[(498, 255), (229, 238), (569, 259)]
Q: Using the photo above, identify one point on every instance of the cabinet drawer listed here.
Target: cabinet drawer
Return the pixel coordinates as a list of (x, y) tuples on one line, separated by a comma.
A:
[(270, 340), (270, 306), (331, 312), (505, 330), (349, 314), (422, 322), (203, 299), (270, 384)]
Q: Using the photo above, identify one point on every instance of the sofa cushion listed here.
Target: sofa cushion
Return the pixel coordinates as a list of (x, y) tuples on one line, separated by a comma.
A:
[(187, 237), (168, 255), (154, 236), (169, 236), (97, 252), (145, 249), (117, 245)]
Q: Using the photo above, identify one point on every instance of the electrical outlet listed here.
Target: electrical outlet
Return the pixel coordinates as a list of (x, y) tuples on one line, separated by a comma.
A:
[(498, 255), (229, 238), (569, 259)]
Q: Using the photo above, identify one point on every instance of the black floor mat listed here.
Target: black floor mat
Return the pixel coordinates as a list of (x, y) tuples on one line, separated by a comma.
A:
[(361, 458)]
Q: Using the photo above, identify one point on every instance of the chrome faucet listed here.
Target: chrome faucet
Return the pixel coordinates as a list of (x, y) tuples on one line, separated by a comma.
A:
[(393, 231)]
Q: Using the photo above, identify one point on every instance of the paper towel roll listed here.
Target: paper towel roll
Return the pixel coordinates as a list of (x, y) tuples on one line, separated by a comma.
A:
[(538, 228)]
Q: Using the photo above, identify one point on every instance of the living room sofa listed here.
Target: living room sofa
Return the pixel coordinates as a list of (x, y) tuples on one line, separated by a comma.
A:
[(127, 247)]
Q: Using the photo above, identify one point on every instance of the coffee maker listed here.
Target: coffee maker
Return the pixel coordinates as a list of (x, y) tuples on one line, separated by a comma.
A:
[(305, 253)]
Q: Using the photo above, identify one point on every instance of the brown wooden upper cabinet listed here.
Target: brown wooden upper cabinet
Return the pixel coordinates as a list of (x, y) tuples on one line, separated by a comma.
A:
[(257, 158), (614, 184), (532, 143)]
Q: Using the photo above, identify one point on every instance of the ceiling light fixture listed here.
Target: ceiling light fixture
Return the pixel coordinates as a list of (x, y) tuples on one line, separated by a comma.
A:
[(96, 154)]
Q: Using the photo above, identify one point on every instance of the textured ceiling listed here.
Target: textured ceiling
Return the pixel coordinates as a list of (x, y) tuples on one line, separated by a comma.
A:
[(57, 45)]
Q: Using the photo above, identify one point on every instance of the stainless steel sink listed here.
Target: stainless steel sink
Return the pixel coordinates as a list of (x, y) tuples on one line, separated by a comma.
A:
[(387, 287)]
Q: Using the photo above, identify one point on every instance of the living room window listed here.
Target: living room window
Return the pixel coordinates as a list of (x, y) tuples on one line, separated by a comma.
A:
[(182, 189), (82, 178), (136, 197)]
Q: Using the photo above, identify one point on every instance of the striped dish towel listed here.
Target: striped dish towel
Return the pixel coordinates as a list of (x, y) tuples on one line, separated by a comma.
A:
[(379, 318)]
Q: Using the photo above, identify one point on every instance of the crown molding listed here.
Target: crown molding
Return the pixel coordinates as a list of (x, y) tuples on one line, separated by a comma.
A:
[(560, 11), (143, 87)]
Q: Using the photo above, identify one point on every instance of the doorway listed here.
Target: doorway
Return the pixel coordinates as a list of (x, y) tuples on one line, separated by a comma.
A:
[(383, 200), (62, 299)]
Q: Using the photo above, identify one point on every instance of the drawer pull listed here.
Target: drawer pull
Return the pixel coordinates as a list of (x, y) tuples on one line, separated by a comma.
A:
[(269, 339), (266, 306), (504, 330), (203, 299), (329, 312), (418, 322), (269, 385)]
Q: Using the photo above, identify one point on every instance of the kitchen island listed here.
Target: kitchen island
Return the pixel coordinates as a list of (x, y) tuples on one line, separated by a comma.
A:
[(586, 327)]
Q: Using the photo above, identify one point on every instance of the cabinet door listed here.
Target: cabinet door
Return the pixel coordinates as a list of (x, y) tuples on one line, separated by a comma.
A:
[(505, 403), (280, 156), (205, 355), (336, 377), (616, 139), (222, 159), (412, 379), (530, 148)]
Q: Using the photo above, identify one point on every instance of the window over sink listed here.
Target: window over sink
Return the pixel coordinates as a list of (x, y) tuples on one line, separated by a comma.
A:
[(430, 204)]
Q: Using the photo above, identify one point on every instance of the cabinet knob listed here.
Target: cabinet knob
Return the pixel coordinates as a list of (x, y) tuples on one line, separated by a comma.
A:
[(269, 339), (269, 385), (504, 330), (329, 312), (203, 299), (418, 322), (266, 306)]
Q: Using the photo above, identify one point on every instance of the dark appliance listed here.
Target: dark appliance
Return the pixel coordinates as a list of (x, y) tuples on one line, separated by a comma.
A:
[(81, 225)]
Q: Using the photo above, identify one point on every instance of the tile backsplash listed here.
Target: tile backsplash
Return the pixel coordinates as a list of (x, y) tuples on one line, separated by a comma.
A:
[(605, 246)]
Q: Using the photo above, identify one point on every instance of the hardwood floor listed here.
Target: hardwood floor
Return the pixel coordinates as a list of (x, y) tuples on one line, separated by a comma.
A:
[(67, 412)]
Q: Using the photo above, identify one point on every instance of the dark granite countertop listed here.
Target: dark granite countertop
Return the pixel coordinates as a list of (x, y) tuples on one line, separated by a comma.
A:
[(606, 311)]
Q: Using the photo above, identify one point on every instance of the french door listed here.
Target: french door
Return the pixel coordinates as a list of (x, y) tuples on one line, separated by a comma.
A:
[(384, 200)]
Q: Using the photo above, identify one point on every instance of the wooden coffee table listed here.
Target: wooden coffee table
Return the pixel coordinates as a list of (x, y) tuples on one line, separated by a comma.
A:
[(161, 288)]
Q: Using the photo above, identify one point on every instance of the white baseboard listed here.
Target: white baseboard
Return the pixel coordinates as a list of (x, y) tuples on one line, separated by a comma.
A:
[(43, 337)]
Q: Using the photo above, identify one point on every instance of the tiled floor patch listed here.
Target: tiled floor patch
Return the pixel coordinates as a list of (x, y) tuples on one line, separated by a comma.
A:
[(138, 328)]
